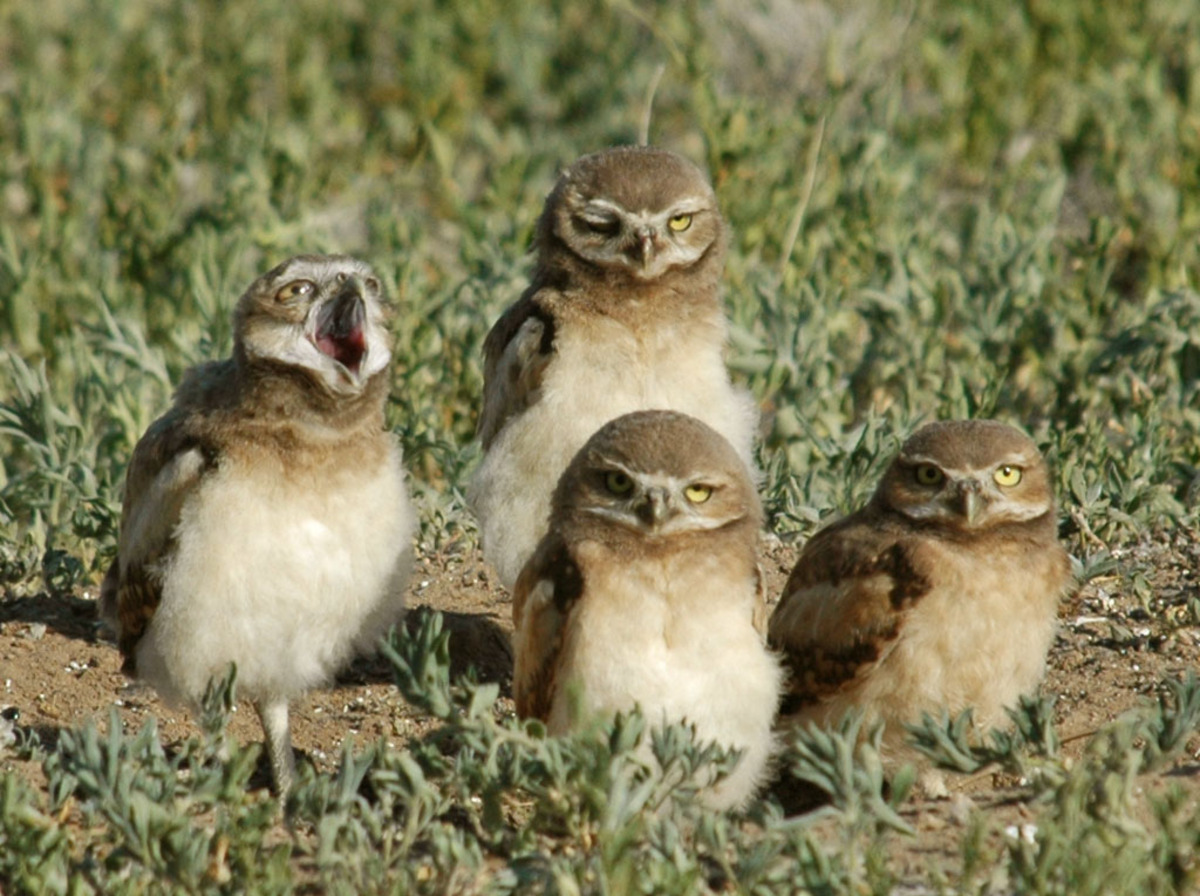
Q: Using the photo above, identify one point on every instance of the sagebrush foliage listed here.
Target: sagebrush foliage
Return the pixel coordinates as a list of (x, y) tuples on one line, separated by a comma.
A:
[(938, 209), (486, 803)]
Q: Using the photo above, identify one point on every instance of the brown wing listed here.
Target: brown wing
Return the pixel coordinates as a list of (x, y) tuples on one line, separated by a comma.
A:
[(166, 466), (516, 352), (543, 597), (843, 606)]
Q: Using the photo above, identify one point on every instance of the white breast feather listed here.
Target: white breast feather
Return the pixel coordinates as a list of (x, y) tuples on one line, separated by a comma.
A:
[(590, 382), (680, 644), (285, 582), (965, 643)]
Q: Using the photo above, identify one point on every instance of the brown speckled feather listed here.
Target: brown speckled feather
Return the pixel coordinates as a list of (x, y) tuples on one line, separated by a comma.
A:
[(167, 465), (516, 352), (544, 596), (843, 606)]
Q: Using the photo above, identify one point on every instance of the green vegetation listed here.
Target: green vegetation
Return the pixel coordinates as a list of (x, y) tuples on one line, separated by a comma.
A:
[(939, 209)]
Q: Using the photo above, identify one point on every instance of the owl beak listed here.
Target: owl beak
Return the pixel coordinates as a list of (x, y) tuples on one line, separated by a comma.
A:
[(654, 507), (970, 500), (341, 327), (644, 250)]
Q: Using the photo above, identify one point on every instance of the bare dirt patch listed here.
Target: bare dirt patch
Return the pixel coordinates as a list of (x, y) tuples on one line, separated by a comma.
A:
[(1119, 637)]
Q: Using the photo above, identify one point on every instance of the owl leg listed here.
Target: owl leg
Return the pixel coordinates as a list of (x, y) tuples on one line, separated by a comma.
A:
[(274, 716)]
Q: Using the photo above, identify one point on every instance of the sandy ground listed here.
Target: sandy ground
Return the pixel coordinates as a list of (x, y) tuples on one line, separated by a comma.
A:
[(57, 669)]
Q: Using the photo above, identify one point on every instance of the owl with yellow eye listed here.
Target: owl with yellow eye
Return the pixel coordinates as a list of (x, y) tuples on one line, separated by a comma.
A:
[(623, 313), (940, 593), (646, 593), (266, 523)]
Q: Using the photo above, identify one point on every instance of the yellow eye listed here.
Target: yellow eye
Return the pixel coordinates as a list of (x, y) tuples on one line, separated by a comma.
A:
[(698, 494), (1007, 475), (295, 290), (617, 482), (928, 474), (680, 223)]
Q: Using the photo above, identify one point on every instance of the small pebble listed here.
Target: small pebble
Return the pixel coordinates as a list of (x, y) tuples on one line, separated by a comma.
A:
[(1025, 832)]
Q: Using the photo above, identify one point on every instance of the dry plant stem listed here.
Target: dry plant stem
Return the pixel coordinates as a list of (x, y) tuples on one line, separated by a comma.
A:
[(648, 108), (810, 180)]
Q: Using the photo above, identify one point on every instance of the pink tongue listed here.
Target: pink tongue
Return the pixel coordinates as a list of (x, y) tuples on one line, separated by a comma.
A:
[(348, 350)]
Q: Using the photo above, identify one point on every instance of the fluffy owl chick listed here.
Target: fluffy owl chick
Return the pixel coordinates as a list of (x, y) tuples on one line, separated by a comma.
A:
[(622, 314), (266, 521), (646, 592), (940, 593)]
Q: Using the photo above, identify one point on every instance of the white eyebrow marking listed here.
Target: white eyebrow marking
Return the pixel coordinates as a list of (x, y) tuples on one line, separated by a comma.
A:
[(603, 205)]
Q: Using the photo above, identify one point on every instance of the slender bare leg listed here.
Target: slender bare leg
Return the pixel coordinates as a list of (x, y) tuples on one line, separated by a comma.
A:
[(274, 716)]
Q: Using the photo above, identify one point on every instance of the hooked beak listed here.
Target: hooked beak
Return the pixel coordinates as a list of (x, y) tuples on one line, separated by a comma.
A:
[(970, 500), (341, 327), (654, 508), (644, 251)]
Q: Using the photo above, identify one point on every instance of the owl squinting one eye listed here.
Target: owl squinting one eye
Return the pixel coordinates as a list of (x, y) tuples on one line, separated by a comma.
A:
[(623, 314)]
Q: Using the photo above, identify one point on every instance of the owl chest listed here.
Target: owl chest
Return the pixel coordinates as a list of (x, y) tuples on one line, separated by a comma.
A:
[(986, 591), (333, 527), (668, 637), (979, 637), (669, 366)]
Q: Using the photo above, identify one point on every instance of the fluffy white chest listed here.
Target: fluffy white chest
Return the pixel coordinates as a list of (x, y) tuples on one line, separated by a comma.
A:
[(609, 371), (590, 381), (282, 578), (678, 642)]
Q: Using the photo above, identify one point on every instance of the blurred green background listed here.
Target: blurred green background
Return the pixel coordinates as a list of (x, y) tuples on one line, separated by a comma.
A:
[(938, 208)]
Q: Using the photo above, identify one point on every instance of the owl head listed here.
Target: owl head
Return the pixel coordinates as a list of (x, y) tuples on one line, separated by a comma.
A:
[(968, 476), (634, 212), (324, 315), (656, 474)]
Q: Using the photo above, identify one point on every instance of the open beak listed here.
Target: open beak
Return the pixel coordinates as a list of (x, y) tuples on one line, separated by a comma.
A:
[(341, 328)]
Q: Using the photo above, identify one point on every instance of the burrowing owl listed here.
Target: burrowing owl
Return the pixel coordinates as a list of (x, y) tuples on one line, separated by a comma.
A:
[(940, 593), (266, 521), (646, 592), (622, 314)]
